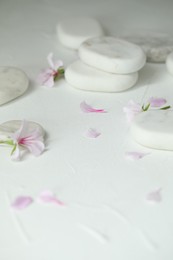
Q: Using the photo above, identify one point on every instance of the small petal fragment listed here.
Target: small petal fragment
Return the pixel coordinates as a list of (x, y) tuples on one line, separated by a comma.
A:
[(22, 202), (88, 109), (48, 197), (134, 156), (155, 196), (92, 133)]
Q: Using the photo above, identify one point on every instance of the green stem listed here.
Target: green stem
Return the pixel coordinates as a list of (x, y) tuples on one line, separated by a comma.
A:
[(9, 142), (164, 108)]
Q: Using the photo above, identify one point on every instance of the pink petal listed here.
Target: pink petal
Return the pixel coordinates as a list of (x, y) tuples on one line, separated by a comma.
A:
[(48, 197), (36, 147), (22, 202), (92, 133), (46, 78), (131, 110), (49, 82), (155, 196), (157, 102), (88, 109), (135, 155)]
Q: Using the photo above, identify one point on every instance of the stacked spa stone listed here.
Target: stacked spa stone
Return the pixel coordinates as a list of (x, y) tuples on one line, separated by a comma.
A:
[(169, 63), (106, 64)]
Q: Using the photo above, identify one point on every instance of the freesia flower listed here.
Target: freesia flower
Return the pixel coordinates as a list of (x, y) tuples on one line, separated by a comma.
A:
[(131, 110), (48, 76), (32, 141)]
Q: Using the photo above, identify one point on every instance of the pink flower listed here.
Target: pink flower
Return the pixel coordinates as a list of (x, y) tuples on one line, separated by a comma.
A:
[(32, 141), (157, 102), (48, 76), (131, 110)]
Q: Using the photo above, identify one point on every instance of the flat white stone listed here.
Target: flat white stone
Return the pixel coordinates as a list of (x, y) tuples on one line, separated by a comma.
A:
[(13, 83), (154, 129), (112, 55), (169, 63), (73, 31), (12, 126), (157, 46), (82, 76)]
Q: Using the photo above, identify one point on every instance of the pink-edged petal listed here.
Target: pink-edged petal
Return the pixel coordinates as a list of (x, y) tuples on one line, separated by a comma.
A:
[(154, 196), (89, 109), (48, 196), (21, 202), (134, 156), (92, 133), (36, 147), (49, 82), (20, 132), (157, 102), (131, 110)]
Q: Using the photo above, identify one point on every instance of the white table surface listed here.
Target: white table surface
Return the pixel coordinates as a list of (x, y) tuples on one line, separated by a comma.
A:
[(107, 216)]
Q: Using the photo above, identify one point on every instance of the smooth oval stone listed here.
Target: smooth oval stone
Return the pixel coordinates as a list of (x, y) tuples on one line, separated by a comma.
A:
[(13, 83), (12, 126), (169, 63), (73, 31), (156, 46), (82, 76), (112, 55), (154, 129)]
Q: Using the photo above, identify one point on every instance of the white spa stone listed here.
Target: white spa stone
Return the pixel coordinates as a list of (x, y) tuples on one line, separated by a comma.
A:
[(169, 63), (9, 127), (82, 76), (73, 31), (112, 55), (157, 46), (13, 83), (154, 129)]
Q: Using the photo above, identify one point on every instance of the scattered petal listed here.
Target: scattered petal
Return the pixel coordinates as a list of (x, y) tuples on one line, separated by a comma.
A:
[(155, 196), (88, 109), (135, 155), (157, 102), (22, 202), (92, 133), (48, 197), (131, 110)]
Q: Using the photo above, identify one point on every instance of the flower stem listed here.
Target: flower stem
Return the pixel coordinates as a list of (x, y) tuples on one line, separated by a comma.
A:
[(164, 108)]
